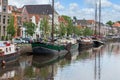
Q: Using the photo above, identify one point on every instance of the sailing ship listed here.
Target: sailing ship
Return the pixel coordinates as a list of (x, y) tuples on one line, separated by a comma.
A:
[(49, 47), (97, 39)]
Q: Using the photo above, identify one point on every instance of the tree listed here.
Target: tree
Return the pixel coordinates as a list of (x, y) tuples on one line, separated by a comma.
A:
[(78, 31), (44, 26), (30, 28), (11, 29), (110, 23), (69, 25), (87, 32), (62, 30)]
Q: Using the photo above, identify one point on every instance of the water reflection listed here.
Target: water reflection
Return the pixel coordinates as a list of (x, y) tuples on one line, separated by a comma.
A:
[(9, 71), (97, 69), (100, 63)]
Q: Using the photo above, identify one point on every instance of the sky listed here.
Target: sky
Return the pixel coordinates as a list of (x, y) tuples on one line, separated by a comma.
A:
[(82, 9)]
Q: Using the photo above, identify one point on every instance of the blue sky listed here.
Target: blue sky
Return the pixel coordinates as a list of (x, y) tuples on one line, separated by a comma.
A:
[(82, 9)]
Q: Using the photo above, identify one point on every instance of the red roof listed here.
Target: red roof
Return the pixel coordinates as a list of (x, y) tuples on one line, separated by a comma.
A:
[(116, 24), (90, 21), (62, 20)]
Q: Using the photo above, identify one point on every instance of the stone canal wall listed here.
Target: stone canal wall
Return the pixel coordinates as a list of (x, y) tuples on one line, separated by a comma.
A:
[(24, 48)]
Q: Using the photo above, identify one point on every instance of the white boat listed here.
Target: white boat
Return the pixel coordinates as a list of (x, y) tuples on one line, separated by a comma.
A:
[(71, 44), (8, 52)]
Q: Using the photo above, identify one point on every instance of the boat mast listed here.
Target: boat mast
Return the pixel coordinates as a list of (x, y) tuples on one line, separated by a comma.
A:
[(95, 33), (52, 34), (99, 16)]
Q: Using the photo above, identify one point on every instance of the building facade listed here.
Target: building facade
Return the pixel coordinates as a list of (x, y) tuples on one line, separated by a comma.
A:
[(4, 17), (16, 13), (36, 13)]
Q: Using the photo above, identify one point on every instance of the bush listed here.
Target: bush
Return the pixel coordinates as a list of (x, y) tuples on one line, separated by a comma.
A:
[(3, 37), (6, 38)]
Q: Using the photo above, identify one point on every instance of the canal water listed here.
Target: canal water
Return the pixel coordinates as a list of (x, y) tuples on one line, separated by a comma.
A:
[(101, 63)]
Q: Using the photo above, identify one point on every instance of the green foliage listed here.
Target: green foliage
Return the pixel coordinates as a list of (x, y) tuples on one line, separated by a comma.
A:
[(29, 73), (110, 23), (69, 25), (2, 37), (44, 26), (87, 32), (30, 28), (62, 29), (11, 28), (78, 31)]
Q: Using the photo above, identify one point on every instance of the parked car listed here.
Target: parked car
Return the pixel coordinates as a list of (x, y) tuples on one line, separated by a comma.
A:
[(29, 40), (18, 40)]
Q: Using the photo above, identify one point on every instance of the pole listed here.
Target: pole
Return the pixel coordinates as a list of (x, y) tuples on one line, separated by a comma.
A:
[(52, 34), (95, 17), (99, 16)]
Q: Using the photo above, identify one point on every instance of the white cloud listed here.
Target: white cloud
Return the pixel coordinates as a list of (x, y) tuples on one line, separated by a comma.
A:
[(20, 3), (106, 3), (58, 6), (110, 11), (116, 7), (73, 6)]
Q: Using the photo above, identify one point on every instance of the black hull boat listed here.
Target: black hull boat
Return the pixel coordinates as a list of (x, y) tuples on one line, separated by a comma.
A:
[(10, 58), (97, 43), (48, 49)]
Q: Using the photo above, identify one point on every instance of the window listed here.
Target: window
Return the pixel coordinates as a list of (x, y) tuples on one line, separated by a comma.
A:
[(4, 8), (3, 20), (4, 30), (9, 48)]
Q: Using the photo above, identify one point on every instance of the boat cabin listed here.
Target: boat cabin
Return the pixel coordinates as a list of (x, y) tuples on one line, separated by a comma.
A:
[(6, 48)]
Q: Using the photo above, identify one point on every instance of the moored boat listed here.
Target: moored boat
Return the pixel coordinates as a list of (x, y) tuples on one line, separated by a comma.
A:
[(85, 43), (8, 52), (97, 43), (70, 43), (48, 48)]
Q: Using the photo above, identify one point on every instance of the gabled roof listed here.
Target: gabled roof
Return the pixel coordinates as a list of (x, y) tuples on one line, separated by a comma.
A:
[(82, 22), (90, 21), (39, 9), (117, 24)]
